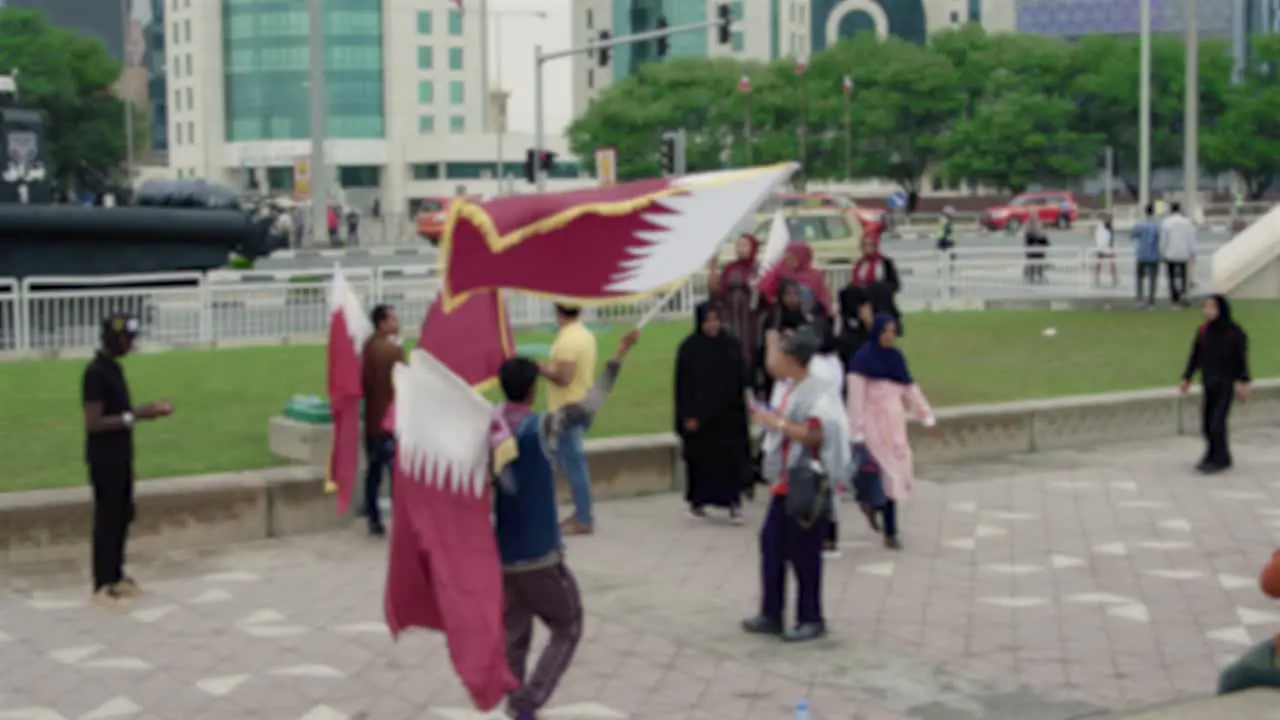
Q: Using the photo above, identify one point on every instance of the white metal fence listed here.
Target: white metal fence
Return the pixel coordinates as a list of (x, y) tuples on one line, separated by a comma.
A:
[(62, 314)]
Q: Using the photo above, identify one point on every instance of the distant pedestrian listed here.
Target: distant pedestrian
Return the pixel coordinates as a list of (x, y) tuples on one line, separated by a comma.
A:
[(1178, 248), (1035, 244), (1146, 239), (1104, 249), (1064, 214), (877, 274), (381, 354), (331, 218), (353, 227), (109, 416), (1220, 353)]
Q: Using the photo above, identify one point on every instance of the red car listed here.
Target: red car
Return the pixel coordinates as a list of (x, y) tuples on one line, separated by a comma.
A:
[(872, 221), (1053, 207)]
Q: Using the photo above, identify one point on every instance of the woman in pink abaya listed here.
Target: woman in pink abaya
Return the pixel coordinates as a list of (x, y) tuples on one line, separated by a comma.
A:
[(879, 392)]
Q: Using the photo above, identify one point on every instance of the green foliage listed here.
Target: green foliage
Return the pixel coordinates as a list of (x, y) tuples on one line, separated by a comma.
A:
[(1245, 138), (1007, 110), (69, 77)]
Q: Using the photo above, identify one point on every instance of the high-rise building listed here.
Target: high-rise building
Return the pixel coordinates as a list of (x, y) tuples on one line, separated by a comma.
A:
[(763, 30), (405, 96)]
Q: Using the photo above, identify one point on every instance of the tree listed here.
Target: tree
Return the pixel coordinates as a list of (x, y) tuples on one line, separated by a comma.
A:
[(905, 97), (1245, 138), (1106, 95), (1019, 137), (694, 94), (69, 77)]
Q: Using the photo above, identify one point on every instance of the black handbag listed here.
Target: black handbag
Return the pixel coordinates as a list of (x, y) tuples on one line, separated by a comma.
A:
[(808, 491)]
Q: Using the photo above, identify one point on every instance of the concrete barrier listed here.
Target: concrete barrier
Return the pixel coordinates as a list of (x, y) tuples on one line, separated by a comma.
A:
[(54, 525), (1255, 704), (213, 509)]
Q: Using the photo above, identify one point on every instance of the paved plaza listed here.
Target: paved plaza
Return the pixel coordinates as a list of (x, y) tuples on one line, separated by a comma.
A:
[(1047, 587)]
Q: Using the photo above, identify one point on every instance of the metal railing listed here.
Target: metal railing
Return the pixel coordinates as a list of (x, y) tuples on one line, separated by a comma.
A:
[(44, 315)]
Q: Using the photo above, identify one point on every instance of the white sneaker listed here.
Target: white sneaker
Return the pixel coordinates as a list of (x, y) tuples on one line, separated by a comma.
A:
[(830, 554)]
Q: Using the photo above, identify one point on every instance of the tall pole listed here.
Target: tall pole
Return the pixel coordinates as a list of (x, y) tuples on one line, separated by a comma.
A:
[(1191, 120), (803, 129), (538, 130), (319, 175), (484, 63), (498, 129), (1144, 105), (128, 102), (1110, 165), (744, 87), (848, 127)]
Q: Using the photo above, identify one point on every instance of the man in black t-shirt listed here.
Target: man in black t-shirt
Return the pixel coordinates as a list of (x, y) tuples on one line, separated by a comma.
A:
[(108, 422)]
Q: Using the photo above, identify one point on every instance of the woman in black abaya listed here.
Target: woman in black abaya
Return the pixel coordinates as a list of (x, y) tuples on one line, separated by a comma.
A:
[(1220, 353), (711, 416)]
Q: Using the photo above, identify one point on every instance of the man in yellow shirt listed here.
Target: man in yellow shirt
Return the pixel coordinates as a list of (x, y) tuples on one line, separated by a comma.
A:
[(571, 372)]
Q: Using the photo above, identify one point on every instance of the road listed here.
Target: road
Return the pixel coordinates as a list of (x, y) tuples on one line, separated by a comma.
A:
[(424, 254), (1049, 586)]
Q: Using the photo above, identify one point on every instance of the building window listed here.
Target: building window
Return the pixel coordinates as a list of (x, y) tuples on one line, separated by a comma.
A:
[(736, 10), (424, 22), (188, 64), (177, 100), (591, 78), (457, 124), (975, 11), (425, 171), (177, 37), (455, 58), (457, 92), (358, 176), (591, 20), (186, 29), (426, 58), (955, 18), (426, 124), (191, 102), (455, 23), (426, 92), (736, 42), (191, 131)]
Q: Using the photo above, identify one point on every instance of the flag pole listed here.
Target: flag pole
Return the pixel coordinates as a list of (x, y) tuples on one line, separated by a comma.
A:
[(848, 127), (744, 87)]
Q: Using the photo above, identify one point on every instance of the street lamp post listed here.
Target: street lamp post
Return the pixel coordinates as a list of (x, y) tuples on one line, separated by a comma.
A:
[(499, 125), (1144, 105), (319, 177), (1191, 117)]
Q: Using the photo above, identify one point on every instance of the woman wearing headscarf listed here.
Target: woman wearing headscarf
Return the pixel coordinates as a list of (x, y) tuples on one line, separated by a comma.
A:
[(797, 265), (711, 416), (731, 287), (880, 387), (786, 315), (877, 275), (1220, 353), (805, 428)]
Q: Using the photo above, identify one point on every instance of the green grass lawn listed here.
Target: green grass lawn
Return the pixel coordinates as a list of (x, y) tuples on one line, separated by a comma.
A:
[(224, 397)]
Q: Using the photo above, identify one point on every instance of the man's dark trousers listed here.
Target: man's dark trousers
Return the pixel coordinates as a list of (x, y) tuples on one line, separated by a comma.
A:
[(1149, 273), (380, 452), (1177, 280), (113, 512)]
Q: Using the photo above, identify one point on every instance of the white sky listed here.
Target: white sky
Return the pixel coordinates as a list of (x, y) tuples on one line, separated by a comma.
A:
[(520, 33)]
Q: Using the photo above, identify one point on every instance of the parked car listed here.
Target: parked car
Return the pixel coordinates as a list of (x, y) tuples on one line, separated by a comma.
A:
[(432, 214), (834, 237), (1047, 205), (871, 219)]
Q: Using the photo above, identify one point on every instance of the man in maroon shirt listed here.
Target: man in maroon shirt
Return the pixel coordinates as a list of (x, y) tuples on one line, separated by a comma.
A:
[(381, 353)]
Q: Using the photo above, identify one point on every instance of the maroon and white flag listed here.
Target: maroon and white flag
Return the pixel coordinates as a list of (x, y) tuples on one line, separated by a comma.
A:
[(443, 571), (744, 85), (847, 85), (801, 66), (349, 329)]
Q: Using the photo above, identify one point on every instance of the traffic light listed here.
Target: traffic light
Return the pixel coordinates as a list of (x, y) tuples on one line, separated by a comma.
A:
[(547, 161), (603, 54), (667, 155), (530, 167), (725, 15), (663, 45)]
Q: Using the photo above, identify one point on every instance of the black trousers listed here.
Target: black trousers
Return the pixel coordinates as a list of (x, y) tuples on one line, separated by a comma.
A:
[(1215, 408), (1149, 273), (1177, 280), (113, 512)]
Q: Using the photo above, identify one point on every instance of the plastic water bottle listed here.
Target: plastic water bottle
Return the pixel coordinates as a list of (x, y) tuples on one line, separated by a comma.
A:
[(802, 711)]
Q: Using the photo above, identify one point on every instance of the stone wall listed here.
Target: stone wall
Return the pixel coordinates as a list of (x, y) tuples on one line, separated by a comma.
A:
[(51, 525)]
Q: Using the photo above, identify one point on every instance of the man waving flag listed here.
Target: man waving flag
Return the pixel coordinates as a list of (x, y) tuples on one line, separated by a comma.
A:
[(601, 244)]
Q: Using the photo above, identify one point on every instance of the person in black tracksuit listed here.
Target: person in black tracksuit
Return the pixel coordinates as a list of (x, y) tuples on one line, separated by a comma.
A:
[(108, 421), (1220, 353)]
